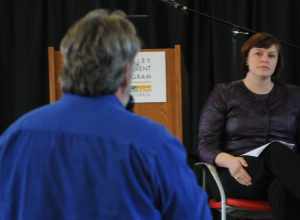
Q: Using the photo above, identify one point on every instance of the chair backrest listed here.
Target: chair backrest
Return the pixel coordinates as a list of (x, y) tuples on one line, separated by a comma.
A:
[(167, 113)]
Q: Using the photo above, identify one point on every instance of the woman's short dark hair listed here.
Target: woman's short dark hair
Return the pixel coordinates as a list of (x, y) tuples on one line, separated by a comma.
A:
[(96, 49), (261, 40)]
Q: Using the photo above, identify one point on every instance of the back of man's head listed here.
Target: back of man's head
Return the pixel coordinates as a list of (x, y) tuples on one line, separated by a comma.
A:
[(96, 50)]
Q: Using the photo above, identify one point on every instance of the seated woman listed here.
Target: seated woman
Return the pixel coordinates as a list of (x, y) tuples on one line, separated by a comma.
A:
[(242, 115)]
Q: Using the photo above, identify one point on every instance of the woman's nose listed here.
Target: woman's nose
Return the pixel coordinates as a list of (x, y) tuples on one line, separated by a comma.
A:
[(265, 58)]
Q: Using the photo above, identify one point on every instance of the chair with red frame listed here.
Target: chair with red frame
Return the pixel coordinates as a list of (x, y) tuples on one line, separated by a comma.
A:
[(233, 207)]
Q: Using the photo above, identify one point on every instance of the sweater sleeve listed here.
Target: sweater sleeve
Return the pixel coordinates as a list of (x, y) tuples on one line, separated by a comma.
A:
[(212, 125)]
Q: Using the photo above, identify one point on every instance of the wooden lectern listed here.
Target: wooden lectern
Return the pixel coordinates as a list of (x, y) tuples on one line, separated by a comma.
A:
[(169, 113)]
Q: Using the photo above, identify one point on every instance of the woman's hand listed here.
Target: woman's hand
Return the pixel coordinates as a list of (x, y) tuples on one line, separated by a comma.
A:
[(235, 166)]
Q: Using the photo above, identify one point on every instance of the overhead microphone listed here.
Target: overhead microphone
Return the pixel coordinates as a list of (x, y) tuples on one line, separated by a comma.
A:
[(176, 4), (236, 32)]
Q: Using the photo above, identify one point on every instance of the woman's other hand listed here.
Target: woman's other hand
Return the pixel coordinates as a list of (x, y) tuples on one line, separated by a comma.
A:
[(236, 167)]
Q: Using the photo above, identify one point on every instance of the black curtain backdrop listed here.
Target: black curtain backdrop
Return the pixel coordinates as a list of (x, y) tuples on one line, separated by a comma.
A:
[(209, 49)]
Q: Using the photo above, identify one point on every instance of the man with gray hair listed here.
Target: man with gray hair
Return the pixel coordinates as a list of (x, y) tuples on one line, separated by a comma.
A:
[(86, 156)]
